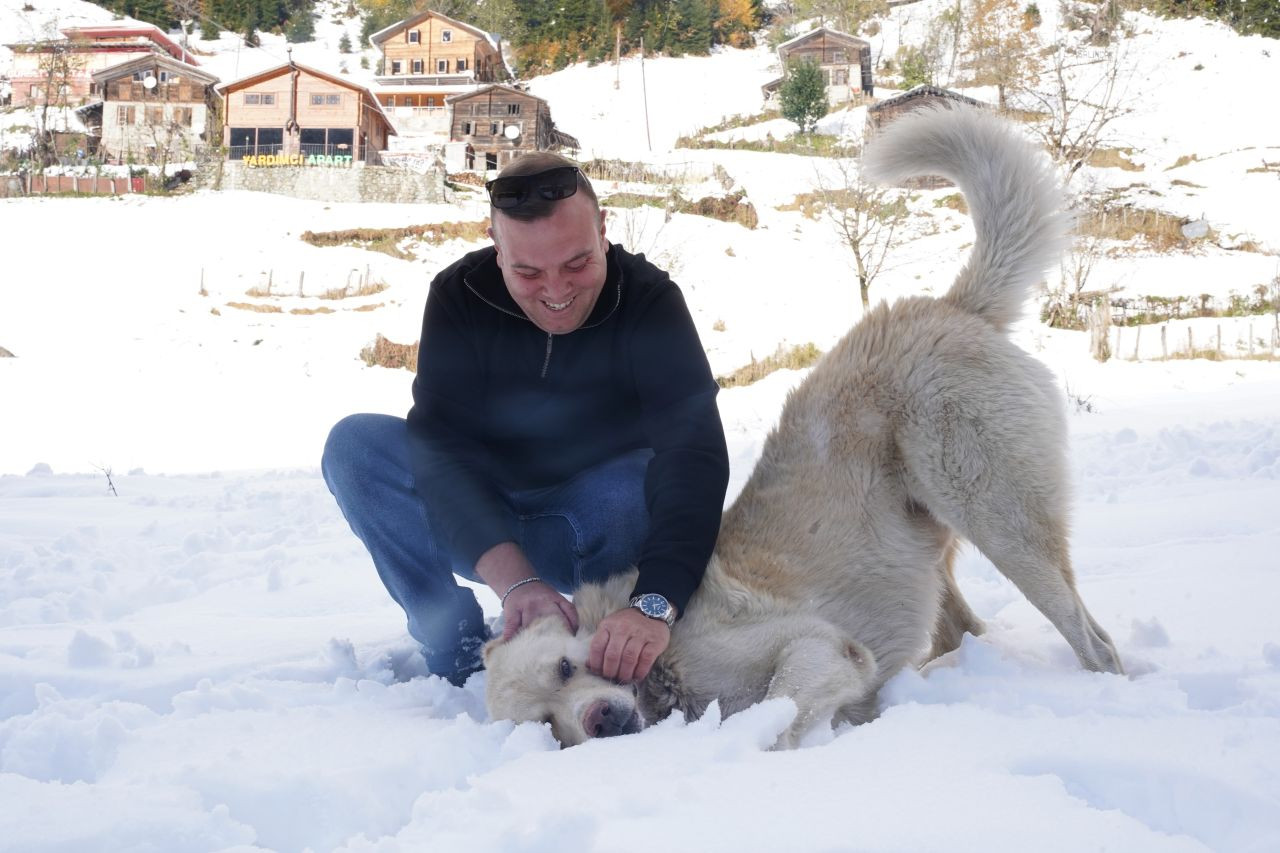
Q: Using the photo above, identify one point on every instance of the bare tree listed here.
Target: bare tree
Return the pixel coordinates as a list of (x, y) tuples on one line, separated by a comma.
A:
[(999, 46), (867, 219), (1086, 91), (58, 65)]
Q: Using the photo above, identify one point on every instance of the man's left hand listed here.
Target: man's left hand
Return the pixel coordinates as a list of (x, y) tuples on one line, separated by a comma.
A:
[(626, 644)]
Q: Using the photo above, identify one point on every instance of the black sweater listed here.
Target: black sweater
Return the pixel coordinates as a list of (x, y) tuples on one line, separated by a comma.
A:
[(500, 403)]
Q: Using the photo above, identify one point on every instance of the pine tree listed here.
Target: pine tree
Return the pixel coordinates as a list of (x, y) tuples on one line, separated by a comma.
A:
[(302, 27), (804, 95), (344, 43)]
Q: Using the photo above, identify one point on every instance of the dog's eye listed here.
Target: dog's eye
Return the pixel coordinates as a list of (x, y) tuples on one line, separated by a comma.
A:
[(566, 669)]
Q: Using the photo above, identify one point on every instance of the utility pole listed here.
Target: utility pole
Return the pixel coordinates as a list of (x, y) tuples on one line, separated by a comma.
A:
[(644, 90)]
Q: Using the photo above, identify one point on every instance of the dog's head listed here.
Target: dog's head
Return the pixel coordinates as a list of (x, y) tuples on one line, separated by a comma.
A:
[(541, 675)]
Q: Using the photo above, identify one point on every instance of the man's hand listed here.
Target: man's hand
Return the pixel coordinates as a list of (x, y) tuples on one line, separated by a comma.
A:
[(626, 644), (505, 564), (533, 601)]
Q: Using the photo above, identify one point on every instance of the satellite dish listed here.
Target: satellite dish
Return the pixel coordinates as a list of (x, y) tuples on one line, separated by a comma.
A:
[(511, 131), (149, 81)]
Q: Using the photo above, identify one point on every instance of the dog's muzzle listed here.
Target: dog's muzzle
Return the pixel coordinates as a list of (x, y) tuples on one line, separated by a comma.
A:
[(607, 719)]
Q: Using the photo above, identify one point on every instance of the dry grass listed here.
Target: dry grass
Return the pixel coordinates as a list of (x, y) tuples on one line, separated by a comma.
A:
[(321, 310), (261, 309), (1178, 182), (730, 208), (955, 202), (799, 356), (367, 288), (387, 240), (1114, 158), (1184, 160), (1160, 230), (385, 353)]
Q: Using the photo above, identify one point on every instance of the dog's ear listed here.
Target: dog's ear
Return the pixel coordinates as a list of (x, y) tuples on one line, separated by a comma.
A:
[(594, 601)]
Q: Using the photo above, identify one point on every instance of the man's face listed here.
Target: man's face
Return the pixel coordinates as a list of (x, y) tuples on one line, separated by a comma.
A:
[(554, 267)]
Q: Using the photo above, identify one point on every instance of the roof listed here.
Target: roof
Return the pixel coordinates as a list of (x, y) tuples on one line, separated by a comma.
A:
[(923, 90), (835, 34), (122, 29), (128, 67), (387, 32), (272, 73), (490, 87)]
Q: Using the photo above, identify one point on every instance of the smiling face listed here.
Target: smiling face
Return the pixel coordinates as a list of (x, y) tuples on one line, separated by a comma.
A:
[(554, 267), (540, 675)]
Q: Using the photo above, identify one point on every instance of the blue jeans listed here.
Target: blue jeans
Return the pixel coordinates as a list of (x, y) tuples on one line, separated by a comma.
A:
[(585, 529)]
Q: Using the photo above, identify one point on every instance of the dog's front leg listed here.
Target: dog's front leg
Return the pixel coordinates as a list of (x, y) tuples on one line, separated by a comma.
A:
[(821, 673)]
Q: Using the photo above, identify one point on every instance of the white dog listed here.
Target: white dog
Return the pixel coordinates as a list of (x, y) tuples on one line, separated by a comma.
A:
[(925, 424)]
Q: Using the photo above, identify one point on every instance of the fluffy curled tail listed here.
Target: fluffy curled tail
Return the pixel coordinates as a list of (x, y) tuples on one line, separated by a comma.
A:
[(1013, 197)]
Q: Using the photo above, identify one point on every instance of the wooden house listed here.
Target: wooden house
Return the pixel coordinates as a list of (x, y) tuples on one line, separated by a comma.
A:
[(885, 112), (499, 123), (428, 58), (299, 112), (155, 109), (845, 62), (64, 67)]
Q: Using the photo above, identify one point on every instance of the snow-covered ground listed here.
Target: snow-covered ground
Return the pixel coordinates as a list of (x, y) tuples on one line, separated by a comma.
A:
[(206, 660)]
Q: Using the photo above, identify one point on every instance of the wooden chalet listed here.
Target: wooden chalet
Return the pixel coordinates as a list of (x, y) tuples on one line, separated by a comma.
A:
[(155, 109), (845, 61), (299, 112), (64, 67), (427, 59), (499, 123), (886, 111)]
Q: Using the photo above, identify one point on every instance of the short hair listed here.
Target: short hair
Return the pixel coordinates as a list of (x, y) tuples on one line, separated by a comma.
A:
[(536, 207)]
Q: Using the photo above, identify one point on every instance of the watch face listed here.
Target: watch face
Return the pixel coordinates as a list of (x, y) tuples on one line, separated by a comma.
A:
[(653, 605)]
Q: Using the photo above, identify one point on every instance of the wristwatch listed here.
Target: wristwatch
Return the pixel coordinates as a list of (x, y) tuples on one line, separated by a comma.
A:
[(655, 606)]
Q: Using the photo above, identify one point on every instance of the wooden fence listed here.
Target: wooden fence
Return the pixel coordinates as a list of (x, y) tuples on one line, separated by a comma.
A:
[(90, 185)]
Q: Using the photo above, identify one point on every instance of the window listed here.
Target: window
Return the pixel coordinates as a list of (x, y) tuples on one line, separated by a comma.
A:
[(442, 66), (513, 109), (462, 65), (124, 115), (155, 116), (415, 36), (395, 66), (318, 100), (840, 57), (417, 66), (466, 128), (493, 128), (446, 36), (257, 99), (182, 116)]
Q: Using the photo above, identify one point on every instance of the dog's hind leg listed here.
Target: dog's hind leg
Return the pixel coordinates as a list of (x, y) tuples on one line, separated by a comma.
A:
[(955, 619), (1001, 485), (824, 675)]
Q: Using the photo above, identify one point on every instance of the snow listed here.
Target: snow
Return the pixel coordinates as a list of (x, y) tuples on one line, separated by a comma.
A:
[(204, 660)]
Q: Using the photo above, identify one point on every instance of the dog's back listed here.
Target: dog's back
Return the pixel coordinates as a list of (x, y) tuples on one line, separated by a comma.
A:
[(925, 422)]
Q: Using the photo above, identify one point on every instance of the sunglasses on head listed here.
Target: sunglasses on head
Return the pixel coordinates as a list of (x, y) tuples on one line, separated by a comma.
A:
[(551, 185)]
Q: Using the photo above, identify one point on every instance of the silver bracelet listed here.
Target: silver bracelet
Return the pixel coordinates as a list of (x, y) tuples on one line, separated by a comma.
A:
[(516, 586)]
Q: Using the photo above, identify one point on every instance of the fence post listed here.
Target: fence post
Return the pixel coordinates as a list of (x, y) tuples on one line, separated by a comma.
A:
[(1191, 344), (301, 276), (1250, 340), (1219, 340), (1137, 342), (1164, 342)]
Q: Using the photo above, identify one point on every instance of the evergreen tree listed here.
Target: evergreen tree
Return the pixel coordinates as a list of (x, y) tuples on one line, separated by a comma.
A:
[(804, 95), (302, 27), (692, 31), (344, 43)]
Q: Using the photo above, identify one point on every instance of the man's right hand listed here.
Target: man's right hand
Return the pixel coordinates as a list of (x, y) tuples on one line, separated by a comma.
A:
[(533, 601), (505, 564)]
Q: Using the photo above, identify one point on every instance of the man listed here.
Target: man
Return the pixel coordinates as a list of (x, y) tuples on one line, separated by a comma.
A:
[(564, 428)]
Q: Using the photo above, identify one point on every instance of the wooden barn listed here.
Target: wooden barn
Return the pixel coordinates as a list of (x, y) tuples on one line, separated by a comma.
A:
[(499, 123), (845, 62), (156, 109)]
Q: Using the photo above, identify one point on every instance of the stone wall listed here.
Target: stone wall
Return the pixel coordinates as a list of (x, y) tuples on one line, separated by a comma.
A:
[(329, 183)]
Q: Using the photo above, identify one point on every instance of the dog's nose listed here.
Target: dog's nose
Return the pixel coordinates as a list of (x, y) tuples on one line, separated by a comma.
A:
[(606, 719)]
